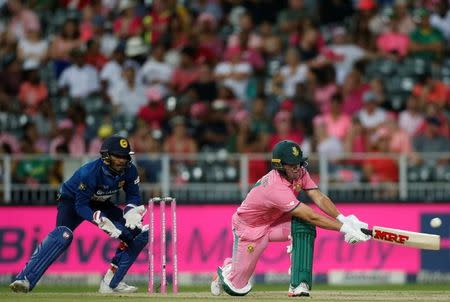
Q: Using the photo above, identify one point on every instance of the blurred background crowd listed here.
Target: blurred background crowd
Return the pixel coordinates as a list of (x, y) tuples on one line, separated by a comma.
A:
[(192, 76)]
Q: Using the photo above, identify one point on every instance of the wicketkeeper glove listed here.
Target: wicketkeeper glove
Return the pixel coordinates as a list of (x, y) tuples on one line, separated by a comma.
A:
[(133, 216), (353, 235), (106, 225), (352, 220)]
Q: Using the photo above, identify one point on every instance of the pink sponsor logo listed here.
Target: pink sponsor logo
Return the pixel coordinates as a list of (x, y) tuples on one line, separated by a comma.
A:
[(205, 239)]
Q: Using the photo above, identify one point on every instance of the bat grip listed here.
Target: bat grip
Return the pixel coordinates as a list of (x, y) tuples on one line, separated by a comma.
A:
[(366, 231)]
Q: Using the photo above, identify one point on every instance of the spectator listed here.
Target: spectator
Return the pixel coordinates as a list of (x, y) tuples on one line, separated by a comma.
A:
[(289, 18), (234, 73), (32, 46), (392, 43), (21, 18), (411, 118), (440, 19), (380, 168), (326, 144), (426, 41), (293, 72), (67, 141), (94, 57), (156, 71), (336, 123), (80, 80), (356, 139), (371, 115), (343, 53), (111, 73), (205, 87), (129, 95), (324, 87), (216, 130), (11, 78), (104, 131), (352, 92), (209, 43), (33, 92), (9, 143), (250, 140), (429, 90), (405, 21), (431, 140), (154, 113), (62, 45), (179, 141), (186, 73), (284, 130), (127, 24)]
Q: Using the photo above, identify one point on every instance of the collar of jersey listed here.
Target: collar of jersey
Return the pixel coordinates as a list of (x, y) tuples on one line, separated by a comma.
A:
[(108, 171)]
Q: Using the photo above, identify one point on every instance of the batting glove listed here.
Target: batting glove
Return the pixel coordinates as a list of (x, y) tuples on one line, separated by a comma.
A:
[(353, 220), (106, 225), (133, 216), (353, 235)]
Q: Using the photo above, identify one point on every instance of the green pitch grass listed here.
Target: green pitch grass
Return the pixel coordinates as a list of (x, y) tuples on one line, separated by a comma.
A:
[(412, 292)]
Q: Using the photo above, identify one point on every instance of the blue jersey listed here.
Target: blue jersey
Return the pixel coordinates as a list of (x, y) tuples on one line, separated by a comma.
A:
[(95, 182)]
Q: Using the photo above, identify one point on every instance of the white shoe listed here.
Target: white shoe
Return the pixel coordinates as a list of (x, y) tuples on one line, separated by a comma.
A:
[(216, 286), (122, 287), (20, 286), (300, 291)]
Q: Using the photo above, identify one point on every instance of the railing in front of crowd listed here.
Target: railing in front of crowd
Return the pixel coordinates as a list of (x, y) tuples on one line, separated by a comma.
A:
[(226, 178)]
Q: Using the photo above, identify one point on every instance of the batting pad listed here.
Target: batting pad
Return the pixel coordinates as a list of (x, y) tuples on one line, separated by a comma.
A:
[(128, 257), (303, 236), (56, 242)]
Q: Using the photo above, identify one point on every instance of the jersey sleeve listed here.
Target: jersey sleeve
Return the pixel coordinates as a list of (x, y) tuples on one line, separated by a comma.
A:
[(84, 193), (131, 186), (307, 182), (283, 199)]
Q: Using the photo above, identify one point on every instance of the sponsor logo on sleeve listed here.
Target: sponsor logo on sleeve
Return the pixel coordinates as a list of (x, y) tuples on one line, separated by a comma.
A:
[(137, 180)]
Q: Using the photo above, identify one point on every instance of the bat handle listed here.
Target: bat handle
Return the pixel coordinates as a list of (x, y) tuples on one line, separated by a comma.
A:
[(366, 231)]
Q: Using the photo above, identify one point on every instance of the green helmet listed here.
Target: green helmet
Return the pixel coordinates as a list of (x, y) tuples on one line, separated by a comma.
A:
[(287, 152)]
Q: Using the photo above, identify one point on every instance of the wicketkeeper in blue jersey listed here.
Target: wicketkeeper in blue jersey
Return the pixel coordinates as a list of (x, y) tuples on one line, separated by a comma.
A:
[(86, 196)]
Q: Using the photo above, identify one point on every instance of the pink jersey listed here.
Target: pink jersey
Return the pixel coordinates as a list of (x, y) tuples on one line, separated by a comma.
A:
[(268, 201)]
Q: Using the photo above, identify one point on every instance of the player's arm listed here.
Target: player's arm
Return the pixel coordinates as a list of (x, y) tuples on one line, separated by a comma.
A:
[(328, 207), (84, 193), (133, 211), (307, 214), (323, 202)]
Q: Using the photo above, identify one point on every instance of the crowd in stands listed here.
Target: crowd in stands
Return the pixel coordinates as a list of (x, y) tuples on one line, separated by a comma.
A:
[(207, 75)]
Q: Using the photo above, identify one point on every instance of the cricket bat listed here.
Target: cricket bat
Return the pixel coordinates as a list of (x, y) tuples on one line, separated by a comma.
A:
[(406, 238)]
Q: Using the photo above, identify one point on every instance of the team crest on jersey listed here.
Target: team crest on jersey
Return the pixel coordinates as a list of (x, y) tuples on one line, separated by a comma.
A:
[(123, 143), (121, 183), (297, 187), (295, 151), (250, 248), (82, 186)]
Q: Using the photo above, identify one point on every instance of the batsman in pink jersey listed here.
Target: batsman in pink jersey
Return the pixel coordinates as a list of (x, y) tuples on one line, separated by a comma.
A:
[(271, 212)]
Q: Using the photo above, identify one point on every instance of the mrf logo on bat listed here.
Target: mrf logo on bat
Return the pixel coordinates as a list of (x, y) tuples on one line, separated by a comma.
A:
[(391, 237)]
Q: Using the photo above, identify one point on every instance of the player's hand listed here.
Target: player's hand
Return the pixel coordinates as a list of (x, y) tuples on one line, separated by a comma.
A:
[(353, 221), (106, 225), (133, 216), (353, 235)]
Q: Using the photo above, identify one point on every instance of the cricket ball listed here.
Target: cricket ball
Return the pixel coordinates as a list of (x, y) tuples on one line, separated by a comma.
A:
[(435, 222)]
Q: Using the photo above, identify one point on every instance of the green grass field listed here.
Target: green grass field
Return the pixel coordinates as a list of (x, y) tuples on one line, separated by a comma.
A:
[(410, 292)]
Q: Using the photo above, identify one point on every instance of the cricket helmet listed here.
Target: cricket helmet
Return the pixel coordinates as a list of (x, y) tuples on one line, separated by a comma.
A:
[(287, 152), (115, 145)]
